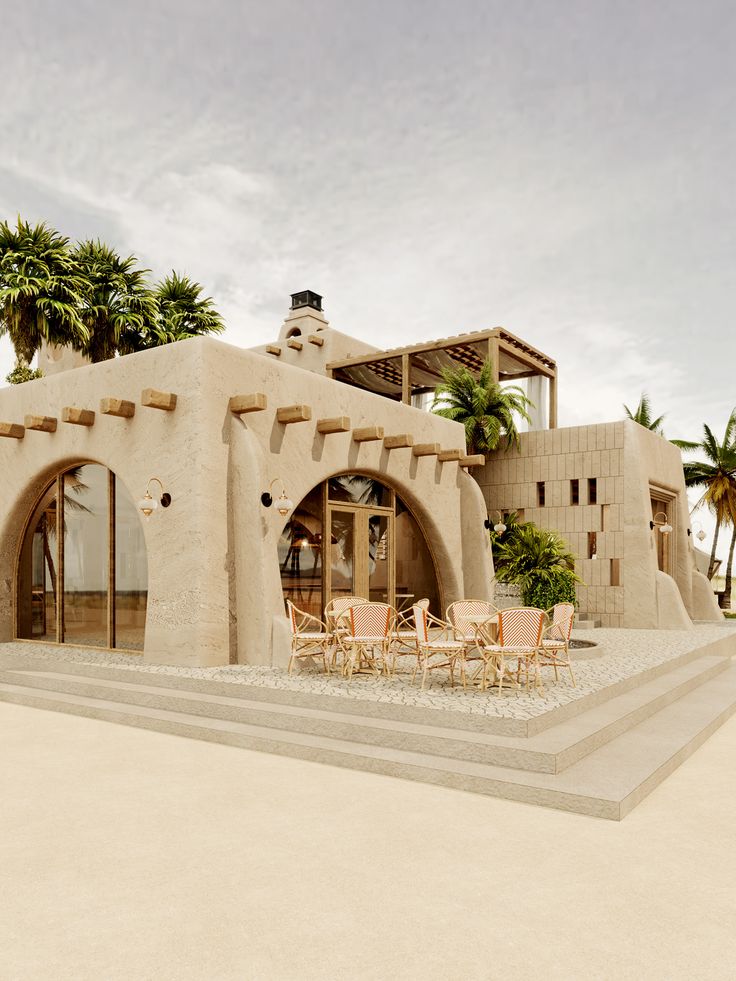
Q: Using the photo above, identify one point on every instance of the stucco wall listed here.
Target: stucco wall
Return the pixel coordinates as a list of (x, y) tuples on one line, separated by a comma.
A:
[(214, 586)]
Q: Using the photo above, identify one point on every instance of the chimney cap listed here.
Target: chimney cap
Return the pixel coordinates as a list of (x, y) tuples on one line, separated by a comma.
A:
[(306, 298)]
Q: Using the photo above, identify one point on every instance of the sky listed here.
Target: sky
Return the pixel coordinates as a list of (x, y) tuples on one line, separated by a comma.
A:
[(563, 170)]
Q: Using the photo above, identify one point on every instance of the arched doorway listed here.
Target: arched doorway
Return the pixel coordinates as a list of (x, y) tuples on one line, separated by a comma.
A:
[(82, 575), (353, 535)]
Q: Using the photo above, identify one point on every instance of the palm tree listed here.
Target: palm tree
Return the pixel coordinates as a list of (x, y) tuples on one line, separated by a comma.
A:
[(485, 408), (182, 313), (715, 476), (40, 290), (643, 415), (117, 297)]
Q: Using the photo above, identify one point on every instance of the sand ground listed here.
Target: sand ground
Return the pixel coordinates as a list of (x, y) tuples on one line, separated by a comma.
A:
[(128, 854)]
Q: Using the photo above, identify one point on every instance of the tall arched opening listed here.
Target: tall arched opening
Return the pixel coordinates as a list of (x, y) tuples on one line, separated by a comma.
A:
[(82, 572), (354, 535)]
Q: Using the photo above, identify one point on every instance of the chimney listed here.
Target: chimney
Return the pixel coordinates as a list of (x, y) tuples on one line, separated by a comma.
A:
[(306, 299), (305, 316)]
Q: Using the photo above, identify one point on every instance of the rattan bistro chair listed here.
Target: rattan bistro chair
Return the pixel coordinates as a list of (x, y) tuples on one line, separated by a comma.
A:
[(309, 637), (404, 639), (336, 617), (441, 645), (555, 649), (366, 637), (463, 616), (520, 639)]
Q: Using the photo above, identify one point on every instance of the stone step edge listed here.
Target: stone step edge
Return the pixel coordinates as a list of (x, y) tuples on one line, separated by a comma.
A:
[(535, 753), (547, 789), (724, 647)]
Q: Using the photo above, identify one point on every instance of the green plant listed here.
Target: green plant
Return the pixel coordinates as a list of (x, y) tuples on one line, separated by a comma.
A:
[(537, 560), (716, 477), (22, 372), (486, 409), (643, 415), (41, 291), (548, 587), (182, 313)]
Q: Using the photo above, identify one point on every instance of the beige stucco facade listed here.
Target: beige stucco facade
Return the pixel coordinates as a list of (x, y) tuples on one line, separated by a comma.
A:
[(623, 586), (214, 590)]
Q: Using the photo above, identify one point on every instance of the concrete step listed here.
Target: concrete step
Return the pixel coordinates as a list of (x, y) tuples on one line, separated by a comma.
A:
[(356, 705), (607, 783), (551, 751)]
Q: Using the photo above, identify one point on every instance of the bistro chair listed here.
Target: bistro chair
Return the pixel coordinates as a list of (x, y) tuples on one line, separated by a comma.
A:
[(441, 644), (404, 638), (335, 616), (309, 637), (463, 616), (519, 637), (366, 638), (555, 649)]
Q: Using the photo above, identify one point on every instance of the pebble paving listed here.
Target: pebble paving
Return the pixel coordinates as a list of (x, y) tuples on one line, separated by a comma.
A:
[(620, 654)]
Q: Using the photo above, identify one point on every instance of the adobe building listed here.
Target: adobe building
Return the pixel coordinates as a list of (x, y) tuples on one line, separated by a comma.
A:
[(305, 469)]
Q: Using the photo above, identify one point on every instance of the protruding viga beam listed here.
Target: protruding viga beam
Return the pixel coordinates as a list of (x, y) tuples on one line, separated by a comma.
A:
[(255, 402), (316, 340), (426, 449), (12, 430), (367, 434), (340, 424), (153, 399), (77, 417), (398, 442), (446, 456), (117, 407), (42, 424), (473, 460), (293, 413)]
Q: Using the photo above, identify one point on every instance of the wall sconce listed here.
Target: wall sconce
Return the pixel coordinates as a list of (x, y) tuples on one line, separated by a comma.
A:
[(664, 526), (283, 505), (148, 504), (499, 527), (700, 535)]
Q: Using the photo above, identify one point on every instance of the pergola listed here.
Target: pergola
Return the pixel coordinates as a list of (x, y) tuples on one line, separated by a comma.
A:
[(401, 372)]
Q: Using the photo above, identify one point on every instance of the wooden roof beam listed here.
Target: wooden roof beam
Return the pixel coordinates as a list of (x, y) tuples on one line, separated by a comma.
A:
[(426, 449), (398, 442), (288, 414), (340, 424), (12, 430), (41, 424), (367, 434), (153, 399), (117, 407), (77, 417), (473, 460), (255, 402), (447, 456)]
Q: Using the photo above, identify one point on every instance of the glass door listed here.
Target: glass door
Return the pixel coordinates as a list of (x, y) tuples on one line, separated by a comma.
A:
[(361, 558)]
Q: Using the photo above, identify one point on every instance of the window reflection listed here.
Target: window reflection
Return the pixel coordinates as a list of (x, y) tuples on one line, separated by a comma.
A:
[(86, 555)]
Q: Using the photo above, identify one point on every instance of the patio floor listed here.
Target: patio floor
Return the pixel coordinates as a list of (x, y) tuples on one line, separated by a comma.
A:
[(620, 655)]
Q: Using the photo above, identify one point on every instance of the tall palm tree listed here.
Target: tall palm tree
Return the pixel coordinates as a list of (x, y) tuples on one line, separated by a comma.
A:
[(486, 409), (643, 415), (117, 297), (40, 290), (182, 313), (715, 476)]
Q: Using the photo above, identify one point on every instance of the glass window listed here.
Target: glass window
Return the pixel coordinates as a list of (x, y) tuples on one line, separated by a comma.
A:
[(416, 577), (38, 570), (86, 555), (131, 572), (300, 555), (356, 488)]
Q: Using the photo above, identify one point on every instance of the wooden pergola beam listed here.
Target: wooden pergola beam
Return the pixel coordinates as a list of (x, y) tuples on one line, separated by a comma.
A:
[(255, 402), (398, 442), (367, 434), (117, 407), (153, 399), (426, 449), (446, 456), (340, 424), (288, 414), (77, 417), (42, 424), (12, 430), (473, 460)]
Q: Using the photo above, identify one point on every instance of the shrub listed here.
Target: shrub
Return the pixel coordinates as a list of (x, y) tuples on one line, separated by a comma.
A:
[(549, 586)]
